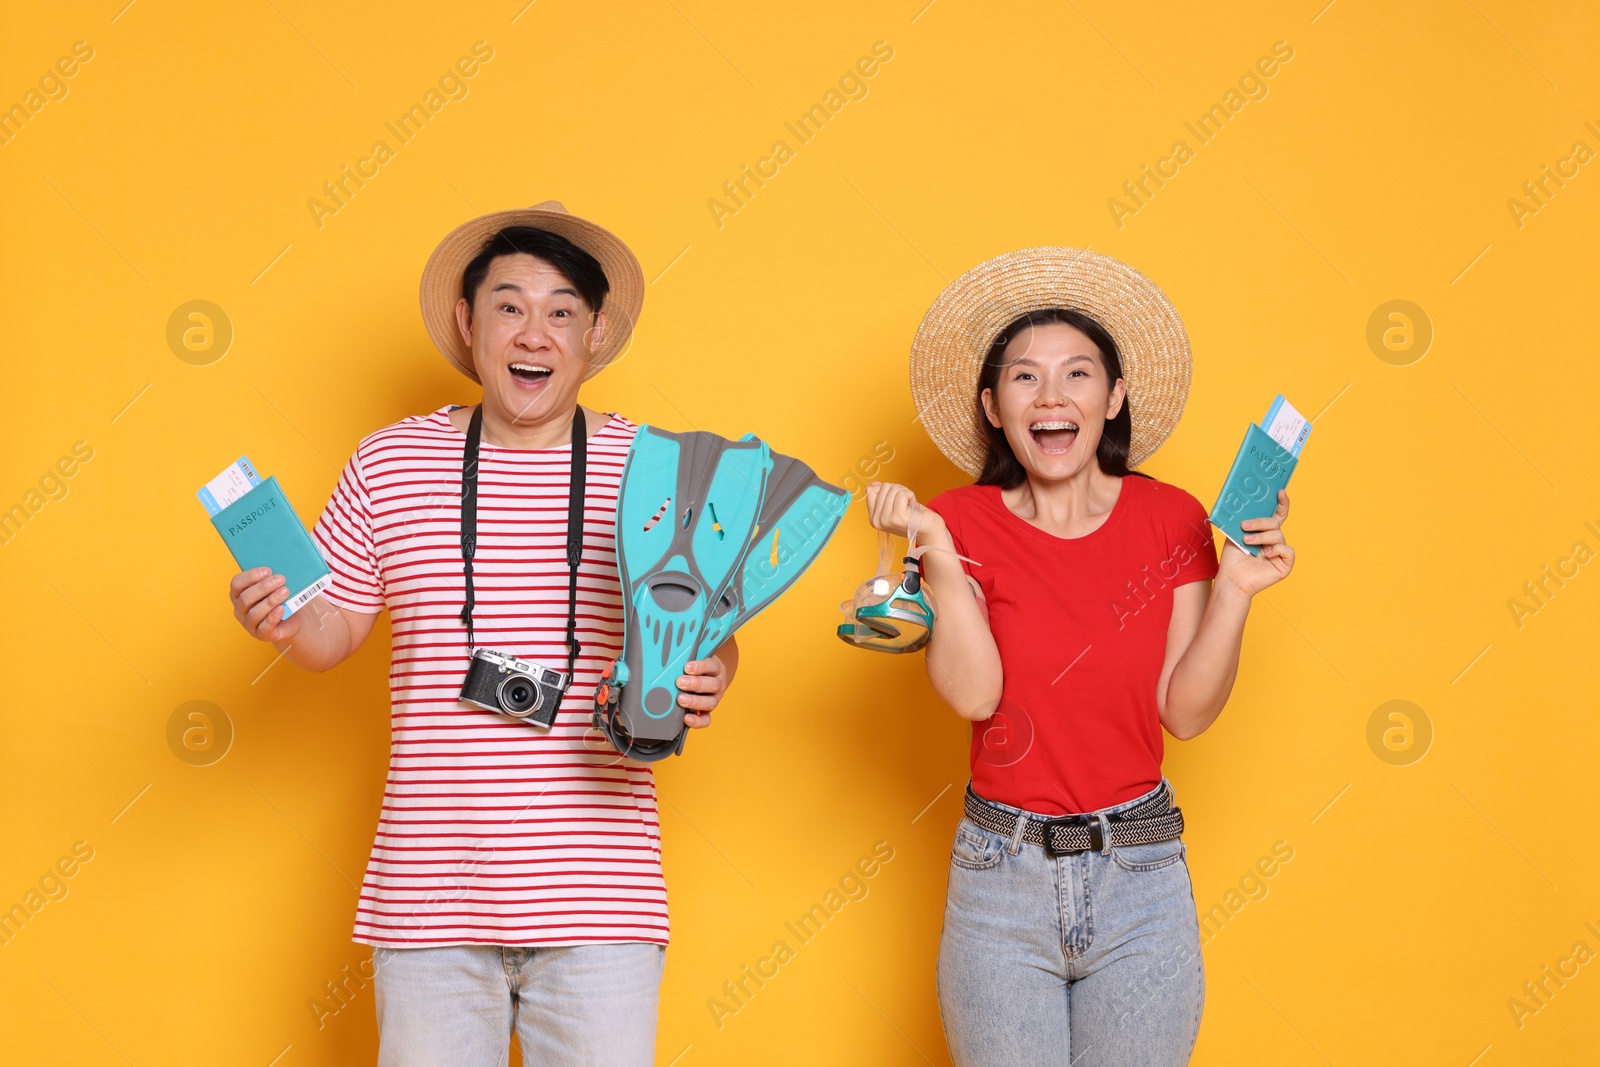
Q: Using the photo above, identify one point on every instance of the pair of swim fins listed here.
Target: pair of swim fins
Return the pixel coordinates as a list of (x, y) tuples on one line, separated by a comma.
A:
[(709, 532)]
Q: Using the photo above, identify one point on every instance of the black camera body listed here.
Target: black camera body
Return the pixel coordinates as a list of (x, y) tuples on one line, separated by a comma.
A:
[(519, 688)]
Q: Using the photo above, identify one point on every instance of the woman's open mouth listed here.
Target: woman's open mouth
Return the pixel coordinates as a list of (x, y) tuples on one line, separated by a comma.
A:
[(529, 375), (1054, 437)]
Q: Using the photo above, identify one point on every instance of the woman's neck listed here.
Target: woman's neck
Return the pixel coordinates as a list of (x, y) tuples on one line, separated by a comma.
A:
[(1068, 507)]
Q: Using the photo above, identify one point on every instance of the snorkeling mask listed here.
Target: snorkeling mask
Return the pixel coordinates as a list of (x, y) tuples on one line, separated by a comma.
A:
[(892, 612)]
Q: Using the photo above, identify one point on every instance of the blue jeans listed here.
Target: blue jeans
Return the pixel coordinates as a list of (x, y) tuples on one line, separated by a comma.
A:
[(1090, 959), (455, 1006)]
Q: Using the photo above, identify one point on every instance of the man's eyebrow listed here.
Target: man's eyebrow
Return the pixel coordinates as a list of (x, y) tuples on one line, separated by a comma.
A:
[(562, 291)]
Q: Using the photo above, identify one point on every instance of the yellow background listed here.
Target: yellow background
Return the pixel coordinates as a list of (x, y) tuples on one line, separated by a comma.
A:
[(1377, 168)]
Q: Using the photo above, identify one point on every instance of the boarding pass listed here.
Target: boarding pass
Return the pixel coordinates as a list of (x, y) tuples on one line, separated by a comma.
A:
[(230, 485), (1284, 425)]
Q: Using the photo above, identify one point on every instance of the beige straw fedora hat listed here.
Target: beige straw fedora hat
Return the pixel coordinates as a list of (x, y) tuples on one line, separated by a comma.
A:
[(441, 279), (959, 328)]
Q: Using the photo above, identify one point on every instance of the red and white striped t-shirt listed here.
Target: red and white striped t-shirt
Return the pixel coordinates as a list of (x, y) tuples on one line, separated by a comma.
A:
[(494, 831)]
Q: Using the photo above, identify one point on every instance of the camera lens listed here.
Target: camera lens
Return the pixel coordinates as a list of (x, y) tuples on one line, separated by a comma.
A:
[(519, 696)]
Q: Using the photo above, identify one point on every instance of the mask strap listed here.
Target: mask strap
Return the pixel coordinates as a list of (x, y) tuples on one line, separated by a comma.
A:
[(915, 551)]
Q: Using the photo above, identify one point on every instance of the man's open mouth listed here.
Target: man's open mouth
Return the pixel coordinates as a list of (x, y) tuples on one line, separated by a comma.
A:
[(530, 373), (1054, 436)]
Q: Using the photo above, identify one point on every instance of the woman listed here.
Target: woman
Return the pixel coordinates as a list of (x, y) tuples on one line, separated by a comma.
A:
[(1099, 615)]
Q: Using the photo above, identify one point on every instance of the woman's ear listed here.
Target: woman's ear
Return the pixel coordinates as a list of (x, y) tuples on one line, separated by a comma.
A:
[(989, 410), (1119, 393)]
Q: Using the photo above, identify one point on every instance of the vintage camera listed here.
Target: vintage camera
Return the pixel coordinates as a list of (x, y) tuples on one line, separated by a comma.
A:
[(514, 687)]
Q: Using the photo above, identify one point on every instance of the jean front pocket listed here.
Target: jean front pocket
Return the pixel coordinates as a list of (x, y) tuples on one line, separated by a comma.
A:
[(1151, 857), (976, 849)]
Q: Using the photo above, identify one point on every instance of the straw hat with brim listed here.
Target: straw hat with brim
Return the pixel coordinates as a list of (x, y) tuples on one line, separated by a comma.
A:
[(441, 279), (962, 324)]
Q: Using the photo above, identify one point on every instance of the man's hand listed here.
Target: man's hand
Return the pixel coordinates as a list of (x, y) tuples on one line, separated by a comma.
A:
[(317, 637), (701, 687), (258, 597)]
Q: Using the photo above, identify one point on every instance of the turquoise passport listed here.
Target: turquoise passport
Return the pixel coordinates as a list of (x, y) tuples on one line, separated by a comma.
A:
[(1261, 468), (262, 530)]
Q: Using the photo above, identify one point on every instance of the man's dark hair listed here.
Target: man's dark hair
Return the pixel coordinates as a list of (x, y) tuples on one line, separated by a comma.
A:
[(576, 265), (1000, 465)]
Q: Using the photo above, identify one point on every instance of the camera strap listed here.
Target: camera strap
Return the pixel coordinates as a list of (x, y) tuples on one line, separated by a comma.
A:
[(575, 502)]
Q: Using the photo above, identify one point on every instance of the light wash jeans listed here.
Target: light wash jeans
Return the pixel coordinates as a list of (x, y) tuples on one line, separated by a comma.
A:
[(1088, 959), (455, 1006)]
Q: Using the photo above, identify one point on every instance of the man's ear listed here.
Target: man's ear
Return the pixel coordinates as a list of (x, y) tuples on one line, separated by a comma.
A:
[(989, 409), (1119, 392), (595, 335), (464, 320)]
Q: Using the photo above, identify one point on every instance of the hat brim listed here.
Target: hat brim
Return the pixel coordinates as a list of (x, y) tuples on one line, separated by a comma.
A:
[(441, 280), (958, 330)]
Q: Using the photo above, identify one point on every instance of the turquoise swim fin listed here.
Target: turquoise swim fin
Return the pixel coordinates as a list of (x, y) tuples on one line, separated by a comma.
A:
[(798, 517), (709, 532), (685, 511)]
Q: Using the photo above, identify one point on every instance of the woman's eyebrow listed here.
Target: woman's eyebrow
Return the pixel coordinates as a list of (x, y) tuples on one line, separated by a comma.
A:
[(1024, 361)]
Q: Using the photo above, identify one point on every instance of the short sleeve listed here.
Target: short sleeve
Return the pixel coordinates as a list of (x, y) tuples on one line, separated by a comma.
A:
[(946, 507), (344, 536), (1194, 547)]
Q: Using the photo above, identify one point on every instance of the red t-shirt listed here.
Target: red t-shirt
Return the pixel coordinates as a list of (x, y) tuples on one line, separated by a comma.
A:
[(1081, 624)]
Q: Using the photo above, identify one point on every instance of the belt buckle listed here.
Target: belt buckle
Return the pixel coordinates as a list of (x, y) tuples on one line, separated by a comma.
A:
[(1096, 839)]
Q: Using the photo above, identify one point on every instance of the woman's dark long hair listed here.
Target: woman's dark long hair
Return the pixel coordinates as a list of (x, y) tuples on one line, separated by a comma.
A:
[(1001, 466)]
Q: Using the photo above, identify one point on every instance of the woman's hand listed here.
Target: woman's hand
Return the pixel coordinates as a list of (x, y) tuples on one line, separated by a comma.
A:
[(1249, 574), (891, 507)]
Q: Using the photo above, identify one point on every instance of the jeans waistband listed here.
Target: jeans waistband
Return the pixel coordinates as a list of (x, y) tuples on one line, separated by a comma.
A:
[(1143, 820), (1114, 810)]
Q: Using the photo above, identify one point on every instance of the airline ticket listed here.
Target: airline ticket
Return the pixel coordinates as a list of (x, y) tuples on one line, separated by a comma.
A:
[(1286, 426), (230, 485)]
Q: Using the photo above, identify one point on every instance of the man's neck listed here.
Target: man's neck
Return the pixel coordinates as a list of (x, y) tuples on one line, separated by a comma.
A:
[(502, 431)]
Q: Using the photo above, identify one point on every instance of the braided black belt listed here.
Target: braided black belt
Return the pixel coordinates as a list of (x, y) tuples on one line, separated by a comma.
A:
[(1153, 820)]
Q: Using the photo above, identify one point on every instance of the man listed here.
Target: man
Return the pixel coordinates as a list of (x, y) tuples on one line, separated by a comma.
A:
[(515, 881)]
